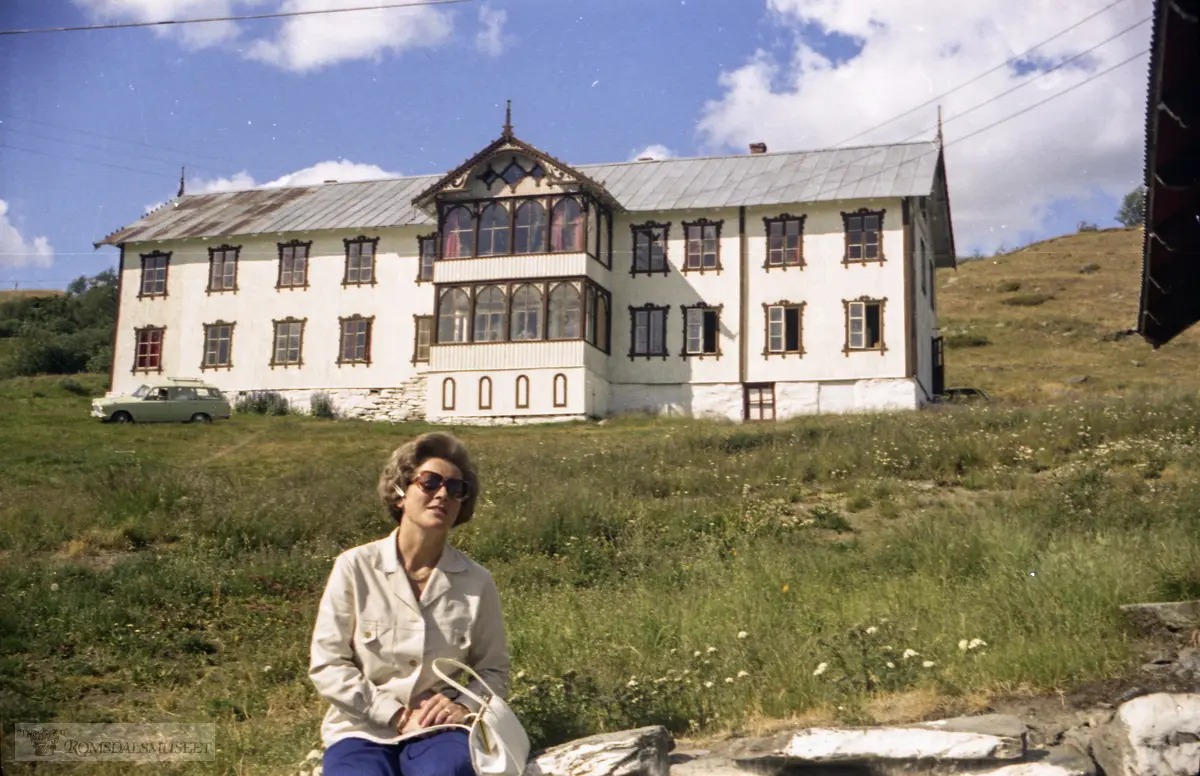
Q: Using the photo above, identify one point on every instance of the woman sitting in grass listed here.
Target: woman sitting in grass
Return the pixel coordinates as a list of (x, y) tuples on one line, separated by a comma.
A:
[(393, 606)]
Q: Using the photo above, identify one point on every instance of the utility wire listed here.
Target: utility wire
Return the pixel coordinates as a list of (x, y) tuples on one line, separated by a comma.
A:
[(134, 154), (279, 15), (117, 139), (5, 144), (984, 74)]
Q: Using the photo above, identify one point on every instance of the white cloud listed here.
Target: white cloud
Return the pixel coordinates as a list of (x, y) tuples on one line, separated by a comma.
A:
[(341, 170), (306, 43), (1002, 181), (491, 40), (16, 250), (655, 151), (299, 43)]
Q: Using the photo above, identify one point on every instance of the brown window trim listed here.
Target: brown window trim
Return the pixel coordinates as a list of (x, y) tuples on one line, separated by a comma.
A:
[(279, 284), (299, 362), (784, 303), (421, 242), (417, 337), (650, 226), (701, 223), (862, 211), (366, 359), (525, 404), (162, 346), (204, 366), (453, 386), (846, 349), (508, 287), (166, 274), (488, 382), (554, 395), (549, 203), (683, 351), (362, 239), (746, 389), (783, 218), (212, 257), (665, 311)]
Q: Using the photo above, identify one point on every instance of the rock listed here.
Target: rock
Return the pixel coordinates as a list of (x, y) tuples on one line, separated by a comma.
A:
[(640, 752), (900, 743), (1077, 380), (1088, 269), (1137, 363), (1154, 735), (999, 725), (1171, 617)]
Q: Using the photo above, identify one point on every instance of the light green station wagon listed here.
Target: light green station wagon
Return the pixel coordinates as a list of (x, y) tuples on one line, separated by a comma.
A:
[(168, 399)]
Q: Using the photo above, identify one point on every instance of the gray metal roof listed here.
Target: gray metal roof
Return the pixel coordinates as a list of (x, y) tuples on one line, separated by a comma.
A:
[(794, 177)]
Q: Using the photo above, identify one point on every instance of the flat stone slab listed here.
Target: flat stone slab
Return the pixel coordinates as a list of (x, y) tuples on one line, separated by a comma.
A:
[(901, 743), (1154, 735), (639, 752)]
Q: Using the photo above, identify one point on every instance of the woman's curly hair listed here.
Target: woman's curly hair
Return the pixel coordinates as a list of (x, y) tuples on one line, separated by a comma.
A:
[(404, 461)]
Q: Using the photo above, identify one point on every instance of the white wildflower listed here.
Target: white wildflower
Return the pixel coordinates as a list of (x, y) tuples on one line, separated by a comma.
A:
[(53, 586), (962, 644), (822, 668), (928, 664), (696, 653), (711, 650), (975, 643), (520, 675), (708, 685), (890, 664), (266, 668), (910, 653), (631, 683), (872, 630), (729, 680), (743, 674), (742, 634)]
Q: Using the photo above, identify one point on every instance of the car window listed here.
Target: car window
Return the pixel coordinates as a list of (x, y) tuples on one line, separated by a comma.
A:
[(182, 394), (156, 394), (140, 392), (210, 393)]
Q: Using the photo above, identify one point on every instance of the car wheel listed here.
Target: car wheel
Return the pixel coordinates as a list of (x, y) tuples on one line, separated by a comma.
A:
[(200, 417), (122, 417)]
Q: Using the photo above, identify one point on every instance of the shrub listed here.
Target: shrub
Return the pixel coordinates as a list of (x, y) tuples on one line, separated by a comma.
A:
[(263, 403), (1028, 300), (1087, 226), (1008, 286), (966, 339), (321, 405)]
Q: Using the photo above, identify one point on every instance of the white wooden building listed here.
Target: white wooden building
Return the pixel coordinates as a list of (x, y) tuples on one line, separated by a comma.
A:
[(517, 288)]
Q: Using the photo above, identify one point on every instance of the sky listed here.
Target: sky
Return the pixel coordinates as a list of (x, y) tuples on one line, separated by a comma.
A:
[(95, 125)]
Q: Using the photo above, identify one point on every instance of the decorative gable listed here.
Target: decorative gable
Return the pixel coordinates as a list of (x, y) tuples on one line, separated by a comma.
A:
[(508, 165)]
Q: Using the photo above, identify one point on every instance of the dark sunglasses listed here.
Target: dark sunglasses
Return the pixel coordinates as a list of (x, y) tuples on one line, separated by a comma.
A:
[(432, 482)]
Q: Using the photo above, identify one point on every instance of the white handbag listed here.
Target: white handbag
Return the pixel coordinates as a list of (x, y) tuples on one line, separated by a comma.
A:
[(499, 744)]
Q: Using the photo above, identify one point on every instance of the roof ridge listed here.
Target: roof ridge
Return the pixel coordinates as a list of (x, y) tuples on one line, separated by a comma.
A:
[(439, 175)]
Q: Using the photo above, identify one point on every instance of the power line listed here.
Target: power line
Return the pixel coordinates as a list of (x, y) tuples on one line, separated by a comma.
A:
[(134, 154), (5, 144), (984, 74), (117, 139), (381, 7)]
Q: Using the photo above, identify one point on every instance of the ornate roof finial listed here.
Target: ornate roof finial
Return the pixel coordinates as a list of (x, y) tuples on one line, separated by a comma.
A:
[(180, 194), (508, 120)]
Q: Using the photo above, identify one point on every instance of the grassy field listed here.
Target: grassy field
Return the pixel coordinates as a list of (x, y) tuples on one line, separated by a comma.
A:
[(710, 577), (1022, 324), (171, 573)]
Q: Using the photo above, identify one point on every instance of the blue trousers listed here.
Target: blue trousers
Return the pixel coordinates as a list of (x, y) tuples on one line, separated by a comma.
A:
[(441, 754)]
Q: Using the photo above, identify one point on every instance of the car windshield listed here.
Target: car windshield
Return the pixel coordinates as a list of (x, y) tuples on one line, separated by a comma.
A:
[(140, 392)]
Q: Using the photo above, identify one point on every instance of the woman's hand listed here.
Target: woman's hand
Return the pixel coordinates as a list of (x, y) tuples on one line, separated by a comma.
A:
[(439, 710)]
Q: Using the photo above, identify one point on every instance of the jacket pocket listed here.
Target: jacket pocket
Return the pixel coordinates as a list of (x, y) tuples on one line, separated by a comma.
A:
[(372, 638)]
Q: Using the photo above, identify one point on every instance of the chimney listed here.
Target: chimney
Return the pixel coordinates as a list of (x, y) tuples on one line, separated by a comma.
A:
[(330, 181), (758, 148), (645, 158)]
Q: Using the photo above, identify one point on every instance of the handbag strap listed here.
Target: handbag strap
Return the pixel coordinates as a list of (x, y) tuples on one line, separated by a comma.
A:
[(461, 667)]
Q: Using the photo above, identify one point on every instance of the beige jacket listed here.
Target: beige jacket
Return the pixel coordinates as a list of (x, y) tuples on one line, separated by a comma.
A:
[(374, 642)]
